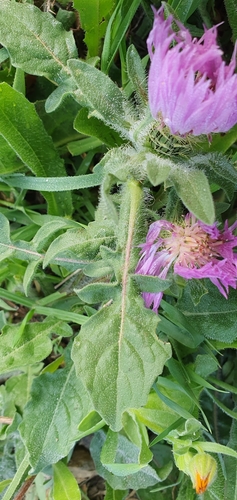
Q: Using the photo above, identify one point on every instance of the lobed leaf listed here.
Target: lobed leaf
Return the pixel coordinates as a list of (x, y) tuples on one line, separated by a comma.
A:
[(84, 243)]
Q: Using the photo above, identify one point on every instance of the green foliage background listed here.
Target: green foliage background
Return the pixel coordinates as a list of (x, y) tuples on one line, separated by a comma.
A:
[(82, 174)]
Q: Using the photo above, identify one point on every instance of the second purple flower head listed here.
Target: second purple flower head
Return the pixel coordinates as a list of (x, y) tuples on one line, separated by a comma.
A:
[(193, 249)]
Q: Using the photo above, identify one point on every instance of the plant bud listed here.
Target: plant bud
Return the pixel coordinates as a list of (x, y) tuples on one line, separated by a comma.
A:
[(202, 470)]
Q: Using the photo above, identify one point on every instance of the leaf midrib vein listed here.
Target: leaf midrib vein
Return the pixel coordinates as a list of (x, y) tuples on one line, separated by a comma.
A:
[(43, 44)]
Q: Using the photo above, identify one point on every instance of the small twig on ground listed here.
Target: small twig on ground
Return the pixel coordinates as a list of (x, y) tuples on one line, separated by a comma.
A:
[(21, 493)]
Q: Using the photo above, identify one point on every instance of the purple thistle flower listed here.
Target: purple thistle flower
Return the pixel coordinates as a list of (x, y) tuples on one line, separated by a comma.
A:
[(190, 87), (195, 250)]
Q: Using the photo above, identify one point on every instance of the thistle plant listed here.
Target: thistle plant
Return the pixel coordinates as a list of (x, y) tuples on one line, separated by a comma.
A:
[(118, 247)]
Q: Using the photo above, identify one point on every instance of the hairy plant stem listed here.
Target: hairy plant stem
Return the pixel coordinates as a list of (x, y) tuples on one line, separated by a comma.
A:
[(135, 196)]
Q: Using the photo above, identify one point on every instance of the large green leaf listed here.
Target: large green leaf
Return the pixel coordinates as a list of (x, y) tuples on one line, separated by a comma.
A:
[(119, 345), (18, 386), (85, 243), (43, 46), (98, 292), (157, 168), (5, 241), (49, 428), (23, 130), (116, 348), (109, 459)]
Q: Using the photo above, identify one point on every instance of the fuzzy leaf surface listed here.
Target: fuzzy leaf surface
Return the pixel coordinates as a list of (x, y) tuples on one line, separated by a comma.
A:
[(158, 169), (5, 241), (219, 170), (136, 73), (62, 401), (85, 242), (9, 161), (116, 348), (43, 45), (127, 452), (193, 188), (100, 94)]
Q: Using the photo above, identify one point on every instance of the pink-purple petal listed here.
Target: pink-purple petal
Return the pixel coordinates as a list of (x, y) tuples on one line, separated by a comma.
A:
[(194, 250), (188, 80)]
